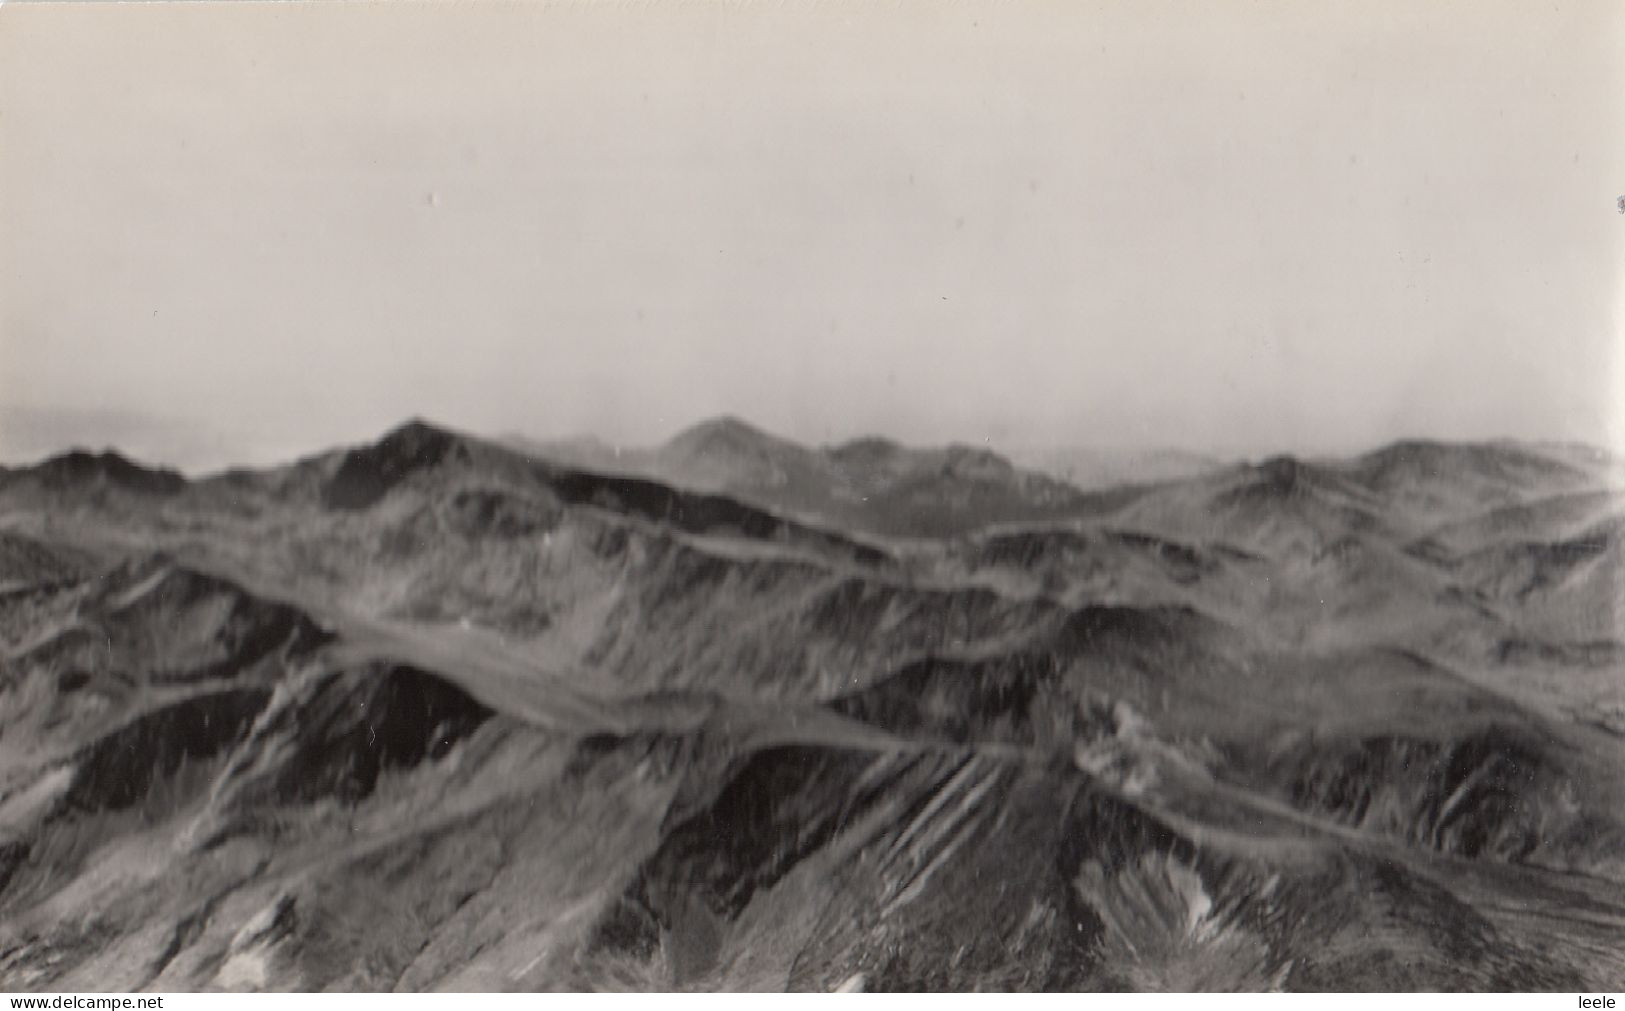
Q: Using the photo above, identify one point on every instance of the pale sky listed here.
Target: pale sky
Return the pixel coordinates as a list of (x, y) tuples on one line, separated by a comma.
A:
[(244, 231)]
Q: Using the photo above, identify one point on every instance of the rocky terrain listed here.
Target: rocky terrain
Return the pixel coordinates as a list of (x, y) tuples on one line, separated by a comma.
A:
[(439, 712)]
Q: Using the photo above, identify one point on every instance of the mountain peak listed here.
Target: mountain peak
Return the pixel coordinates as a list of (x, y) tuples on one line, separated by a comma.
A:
[(976, 463), (1283, 478), (367, 473), (1508, 464), (722, 429), (1283, 472), (727, 452), (865, 450), (80, 466), (418, 429)]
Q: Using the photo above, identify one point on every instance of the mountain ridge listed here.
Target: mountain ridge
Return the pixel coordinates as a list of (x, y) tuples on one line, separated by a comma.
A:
[(1287, 724)]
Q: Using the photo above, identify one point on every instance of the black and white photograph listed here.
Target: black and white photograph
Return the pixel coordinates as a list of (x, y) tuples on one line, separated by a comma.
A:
[(812, 495)]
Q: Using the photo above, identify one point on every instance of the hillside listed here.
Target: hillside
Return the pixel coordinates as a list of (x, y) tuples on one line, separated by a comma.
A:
[(444, 713)]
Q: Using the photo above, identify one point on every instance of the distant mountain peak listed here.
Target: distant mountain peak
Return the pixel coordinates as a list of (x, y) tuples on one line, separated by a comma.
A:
[(1284, 473), (1495, 462), (865, 449), (976, 463), (727, 452), (1285, 478), (417, 430), (80, 466), (725, 429), (367, 473)]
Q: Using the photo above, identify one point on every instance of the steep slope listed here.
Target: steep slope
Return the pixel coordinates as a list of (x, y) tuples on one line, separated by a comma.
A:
[(27, 564), (817, 869)]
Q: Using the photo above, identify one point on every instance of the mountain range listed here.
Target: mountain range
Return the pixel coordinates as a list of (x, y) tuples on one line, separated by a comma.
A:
[(870, 484), (440, 712)]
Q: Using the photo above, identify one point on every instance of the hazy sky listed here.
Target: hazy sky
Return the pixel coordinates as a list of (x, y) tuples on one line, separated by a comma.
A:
[(249, 230)]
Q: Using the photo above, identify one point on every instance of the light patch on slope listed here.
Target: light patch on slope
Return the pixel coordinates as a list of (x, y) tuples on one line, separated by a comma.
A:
[(1163, 933)]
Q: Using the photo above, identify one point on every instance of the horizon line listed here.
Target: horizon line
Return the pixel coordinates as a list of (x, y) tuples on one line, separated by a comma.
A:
[(10, 460)]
